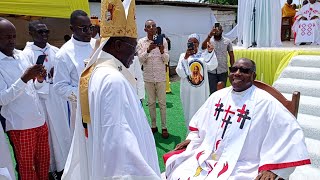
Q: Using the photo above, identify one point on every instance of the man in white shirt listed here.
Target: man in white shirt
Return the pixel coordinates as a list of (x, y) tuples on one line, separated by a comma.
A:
[(55, 108), (240, 132), (70, 60), (306, 27), (21, 107)]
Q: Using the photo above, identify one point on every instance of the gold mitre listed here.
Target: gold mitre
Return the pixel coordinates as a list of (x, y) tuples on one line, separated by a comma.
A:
[(118, 18)]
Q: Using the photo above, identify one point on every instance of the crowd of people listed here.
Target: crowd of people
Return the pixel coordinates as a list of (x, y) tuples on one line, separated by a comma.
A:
[(77, 112), (305, 21)]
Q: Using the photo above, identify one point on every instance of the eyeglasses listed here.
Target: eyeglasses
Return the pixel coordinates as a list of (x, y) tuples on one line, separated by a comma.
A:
[(151, 26), (41, 31), (242, 70), (85, 29)]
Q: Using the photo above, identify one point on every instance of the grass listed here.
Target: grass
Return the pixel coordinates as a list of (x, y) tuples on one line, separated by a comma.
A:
[(175, 123)]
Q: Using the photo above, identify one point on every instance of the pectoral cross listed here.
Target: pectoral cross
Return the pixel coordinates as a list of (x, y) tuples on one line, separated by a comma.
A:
[(120, 68)]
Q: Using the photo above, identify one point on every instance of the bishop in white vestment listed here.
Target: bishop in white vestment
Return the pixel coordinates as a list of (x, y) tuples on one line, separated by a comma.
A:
[(112, 139), (306, 26), (238, 134), (194, 83)]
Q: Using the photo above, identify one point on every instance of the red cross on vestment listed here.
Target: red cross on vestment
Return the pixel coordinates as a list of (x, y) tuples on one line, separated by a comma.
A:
[(225, 116), (241, 111)]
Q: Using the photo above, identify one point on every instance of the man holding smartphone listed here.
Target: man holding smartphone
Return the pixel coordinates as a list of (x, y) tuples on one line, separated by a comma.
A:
[(21, 107), (153, 55), (222, 47)]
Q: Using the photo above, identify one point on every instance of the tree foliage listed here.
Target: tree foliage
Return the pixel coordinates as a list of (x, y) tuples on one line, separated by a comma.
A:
[(225, 2)]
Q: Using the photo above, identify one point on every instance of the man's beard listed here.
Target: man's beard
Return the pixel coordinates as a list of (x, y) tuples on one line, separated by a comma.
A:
[(217, 36)]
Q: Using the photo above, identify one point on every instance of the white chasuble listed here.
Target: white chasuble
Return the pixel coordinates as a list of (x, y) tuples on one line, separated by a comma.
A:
[(120, 144), (236, 135)]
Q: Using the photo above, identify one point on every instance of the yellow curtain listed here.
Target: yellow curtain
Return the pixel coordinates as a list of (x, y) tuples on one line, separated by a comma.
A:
[(43, 8), (267, 61), (270, 63)]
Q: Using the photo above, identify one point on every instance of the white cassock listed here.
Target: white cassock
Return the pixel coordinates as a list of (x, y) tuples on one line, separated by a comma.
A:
[(6, 166), (236, 135), (135, 70), (195, 91), (307, 30), (120, 144), (267, 23), (55, 108), (69, 66)]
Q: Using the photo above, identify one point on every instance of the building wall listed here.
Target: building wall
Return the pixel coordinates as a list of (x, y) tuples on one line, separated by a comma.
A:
[(227, 19), (58, 28)]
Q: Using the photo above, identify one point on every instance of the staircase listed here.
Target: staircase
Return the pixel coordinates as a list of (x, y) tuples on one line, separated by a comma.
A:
[(303, 75)]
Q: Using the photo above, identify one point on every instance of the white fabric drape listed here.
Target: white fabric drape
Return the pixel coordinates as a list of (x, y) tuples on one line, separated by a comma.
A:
[(267, 23)]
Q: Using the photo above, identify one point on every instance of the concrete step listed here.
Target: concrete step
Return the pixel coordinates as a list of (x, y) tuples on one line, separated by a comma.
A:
[(310, 125), (305, 61), (306, 172), (308, 104), (305, 87), (308, 73), (313, 147)]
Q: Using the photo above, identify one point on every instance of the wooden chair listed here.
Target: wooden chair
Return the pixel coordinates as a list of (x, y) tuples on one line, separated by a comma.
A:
[(292, 105), (286, 25)]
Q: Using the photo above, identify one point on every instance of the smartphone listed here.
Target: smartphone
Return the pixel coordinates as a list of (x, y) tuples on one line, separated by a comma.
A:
[(158, 39), (190, 45), (41, 59), (216, 25)]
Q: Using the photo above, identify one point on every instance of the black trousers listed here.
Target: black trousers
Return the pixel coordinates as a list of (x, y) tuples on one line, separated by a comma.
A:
[(214, 79)]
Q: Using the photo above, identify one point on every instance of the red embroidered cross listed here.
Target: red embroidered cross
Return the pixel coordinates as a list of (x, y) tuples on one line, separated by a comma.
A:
[(227, 112), (241, 112)]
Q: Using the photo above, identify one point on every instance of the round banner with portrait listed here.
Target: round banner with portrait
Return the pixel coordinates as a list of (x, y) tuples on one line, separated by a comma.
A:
[(196, 77)]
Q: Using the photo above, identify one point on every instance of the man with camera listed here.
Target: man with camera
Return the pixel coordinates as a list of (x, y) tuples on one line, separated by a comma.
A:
[(153, 55), (222, 47)]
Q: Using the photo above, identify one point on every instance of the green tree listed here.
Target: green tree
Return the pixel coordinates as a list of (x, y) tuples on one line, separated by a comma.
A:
[(225, 2)]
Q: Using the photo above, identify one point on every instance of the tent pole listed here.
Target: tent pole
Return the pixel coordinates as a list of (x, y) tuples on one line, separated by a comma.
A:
[(254, 43)]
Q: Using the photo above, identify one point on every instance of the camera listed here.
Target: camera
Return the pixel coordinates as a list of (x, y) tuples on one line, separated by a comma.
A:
[(190, 45), (216, 25), (158, 39)]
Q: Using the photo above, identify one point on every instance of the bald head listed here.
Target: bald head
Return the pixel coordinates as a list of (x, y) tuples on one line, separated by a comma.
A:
[(7, 36)]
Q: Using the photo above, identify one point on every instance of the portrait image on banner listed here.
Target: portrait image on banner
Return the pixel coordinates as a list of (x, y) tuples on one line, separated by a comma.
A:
[(196, 78)]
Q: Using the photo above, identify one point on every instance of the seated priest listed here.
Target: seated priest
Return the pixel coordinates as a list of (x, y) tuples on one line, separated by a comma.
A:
[(240, 132), (306, 27), (288, 9)]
